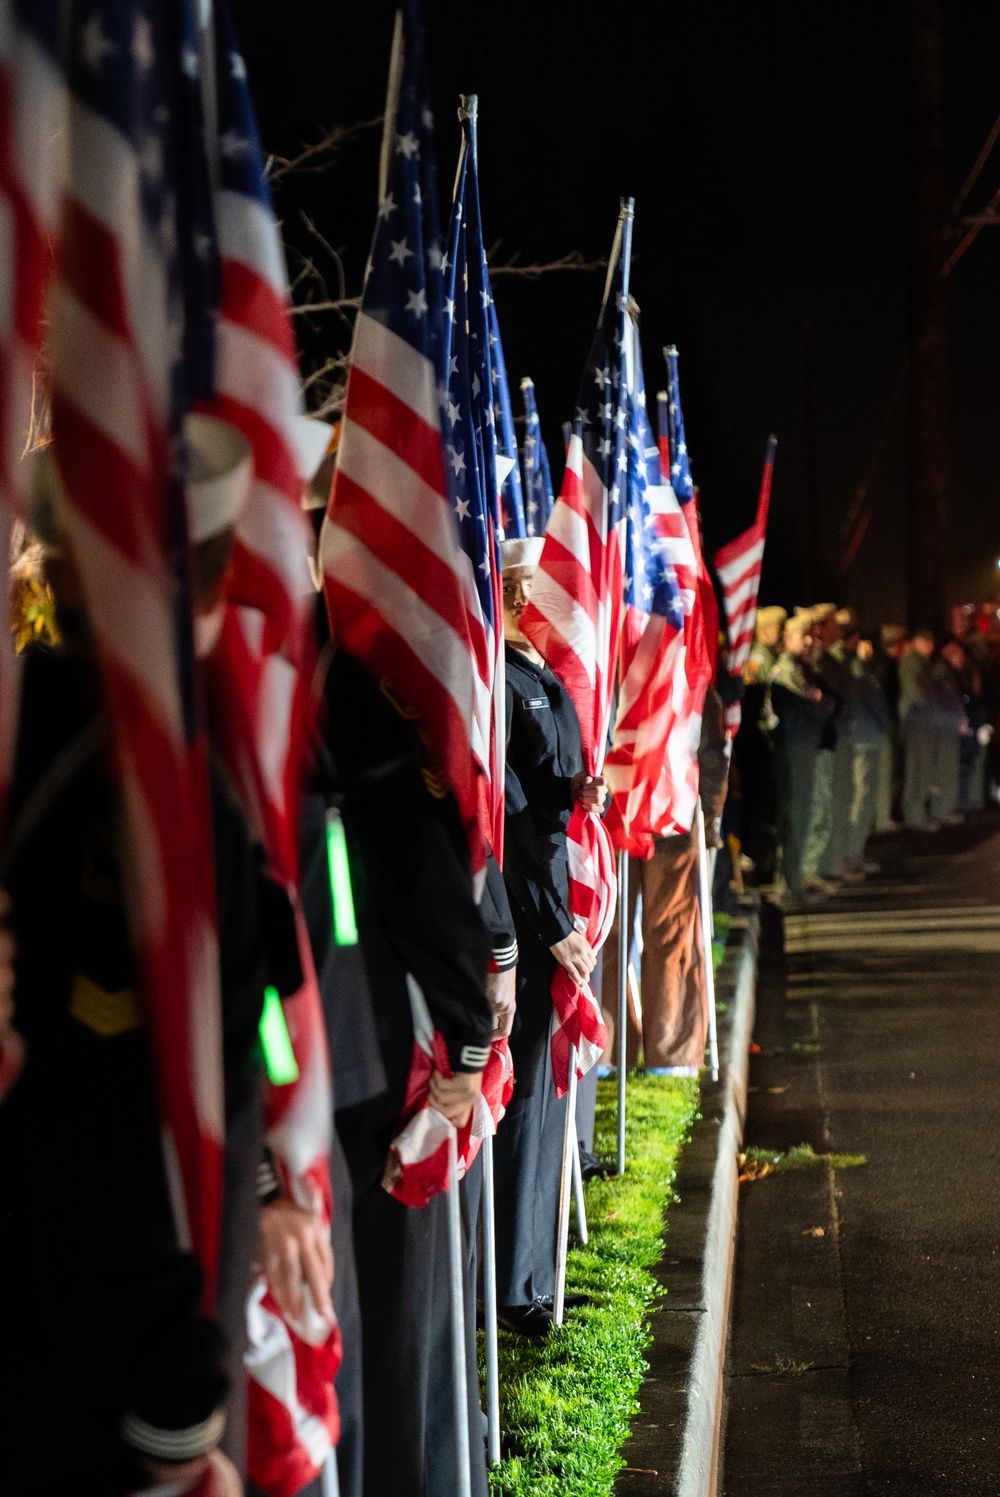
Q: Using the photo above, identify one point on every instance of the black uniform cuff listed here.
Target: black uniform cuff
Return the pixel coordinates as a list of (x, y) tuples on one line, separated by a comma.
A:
[(268, 1181), (173, 1446), (503, 958)]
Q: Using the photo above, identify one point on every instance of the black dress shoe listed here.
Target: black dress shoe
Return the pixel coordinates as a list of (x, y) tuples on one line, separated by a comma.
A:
[(526, 1320), (570, 1301), (592, 1168)]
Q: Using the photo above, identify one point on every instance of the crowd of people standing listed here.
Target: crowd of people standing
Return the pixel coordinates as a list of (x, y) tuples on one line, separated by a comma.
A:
[(845, 734)]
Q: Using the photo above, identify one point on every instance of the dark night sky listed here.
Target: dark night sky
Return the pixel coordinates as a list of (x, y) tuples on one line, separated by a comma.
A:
[(766, 147)]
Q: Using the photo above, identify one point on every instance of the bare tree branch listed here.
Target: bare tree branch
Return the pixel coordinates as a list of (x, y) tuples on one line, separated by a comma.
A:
[(306, 161), (342, 304), (572, 261), (334, 254)]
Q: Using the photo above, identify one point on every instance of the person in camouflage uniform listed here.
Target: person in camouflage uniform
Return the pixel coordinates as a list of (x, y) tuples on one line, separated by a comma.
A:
[(861, 731), (802, 712), (754, 747), (833, 678)]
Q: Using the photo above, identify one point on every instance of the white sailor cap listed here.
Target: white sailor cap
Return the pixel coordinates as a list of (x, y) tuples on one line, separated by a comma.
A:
[(220, 469), (521, 551)]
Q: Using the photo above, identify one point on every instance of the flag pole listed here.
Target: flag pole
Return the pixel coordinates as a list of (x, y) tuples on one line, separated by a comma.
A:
[(565, 1191), (460, 1385), (581, 1207), (623, 946), (488, 1217), (705, 908), (330, 1481)]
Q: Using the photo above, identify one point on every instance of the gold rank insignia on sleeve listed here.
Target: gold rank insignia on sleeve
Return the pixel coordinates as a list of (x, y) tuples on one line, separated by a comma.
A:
[(437, 783), (107, 1014)]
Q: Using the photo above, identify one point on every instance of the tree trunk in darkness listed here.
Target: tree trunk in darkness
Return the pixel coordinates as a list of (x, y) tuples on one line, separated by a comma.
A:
[(927, 478)]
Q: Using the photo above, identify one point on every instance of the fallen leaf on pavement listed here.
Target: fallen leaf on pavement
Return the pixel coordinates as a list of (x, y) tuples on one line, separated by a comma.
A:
[(814, 1232), (754, 1169)]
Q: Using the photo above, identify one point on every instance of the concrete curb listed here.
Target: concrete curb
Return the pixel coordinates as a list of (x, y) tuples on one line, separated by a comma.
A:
[(700, 1446), (673, 1449)]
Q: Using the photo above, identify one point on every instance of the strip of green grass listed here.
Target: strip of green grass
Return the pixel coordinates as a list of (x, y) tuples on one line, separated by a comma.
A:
[(566, 1401)]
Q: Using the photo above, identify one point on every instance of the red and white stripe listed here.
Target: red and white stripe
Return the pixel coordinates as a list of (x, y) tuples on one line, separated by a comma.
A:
[(258, 697), (577, 1018), (110, 374), (417, 1168), (257, 389), (574, 616), (394, 573), (671, 789), (291, 1408), (574, 621), (738, 565)]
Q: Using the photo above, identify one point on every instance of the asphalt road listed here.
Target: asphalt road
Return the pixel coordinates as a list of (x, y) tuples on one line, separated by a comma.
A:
[(865, 1340)]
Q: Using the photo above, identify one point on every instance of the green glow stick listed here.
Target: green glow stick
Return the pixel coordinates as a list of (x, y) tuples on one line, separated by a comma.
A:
[(279, 1057), (345, 929)]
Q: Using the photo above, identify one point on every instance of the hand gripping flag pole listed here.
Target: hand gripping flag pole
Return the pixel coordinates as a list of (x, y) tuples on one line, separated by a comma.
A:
[(705, 908), (459, 1374), (490, 1306)]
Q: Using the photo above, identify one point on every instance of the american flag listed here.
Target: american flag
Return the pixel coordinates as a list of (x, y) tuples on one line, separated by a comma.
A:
[(679, 527), (395, 576), (418, 1164), (537, 478), (574, 621), (472, 458), (257, 695), (508, 472), (256, 375), (118, 398), (638, 766), (738, 565)]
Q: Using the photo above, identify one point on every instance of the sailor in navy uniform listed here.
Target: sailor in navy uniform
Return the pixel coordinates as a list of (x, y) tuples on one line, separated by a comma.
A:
[(545, 779)]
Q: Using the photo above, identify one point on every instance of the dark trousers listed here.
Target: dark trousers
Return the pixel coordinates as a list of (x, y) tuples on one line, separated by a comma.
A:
[(529, 1142), (349, 1382), (401, 1258), (798, 753), (237, 1249)]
